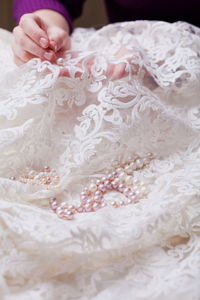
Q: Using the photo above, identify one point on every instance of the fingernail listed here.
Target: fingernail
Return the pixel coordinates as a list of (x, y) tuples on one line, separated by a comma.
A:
[(53, 45), (48, 55), (43, 42)]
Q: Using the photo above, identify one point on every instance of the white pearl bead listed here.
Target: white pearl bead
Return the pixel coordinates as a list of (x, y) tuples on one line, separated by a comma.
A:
[(122, 176), (93, 187), (133, 166), (128, 169), (63, 204), (139, 163), (60, 61), (143, 189), (116, 181), (146, 160), (119, 170), (129, 180), (135, 181)]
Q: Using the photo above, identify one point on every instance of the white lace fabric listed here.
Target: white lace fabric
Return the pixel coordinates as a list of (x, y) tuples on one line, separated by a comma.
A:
[(78, 125)]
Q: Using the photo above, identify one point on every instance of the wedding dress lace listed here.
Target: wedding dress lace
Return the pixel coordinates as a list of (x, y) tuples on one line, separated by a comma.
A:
[(78, 124)]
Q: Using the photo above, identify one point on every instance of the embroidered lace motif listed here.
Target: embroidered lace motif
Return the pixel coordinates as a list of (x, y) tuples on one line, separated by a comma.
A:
[(78, 125)]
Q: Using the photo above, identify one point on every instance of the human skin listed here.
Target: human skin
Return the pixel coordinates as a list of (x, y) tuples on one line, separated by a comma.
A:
[(43, 34)]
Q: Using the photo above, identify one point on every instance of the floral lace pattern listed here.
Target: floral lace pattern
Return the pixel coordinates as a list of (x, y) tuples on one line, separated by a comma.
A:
[(79, 124)]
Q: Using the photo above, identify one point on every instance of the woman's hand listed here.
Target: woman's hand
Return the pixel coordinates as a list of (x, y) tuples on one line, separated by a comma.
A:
[(43, 34)]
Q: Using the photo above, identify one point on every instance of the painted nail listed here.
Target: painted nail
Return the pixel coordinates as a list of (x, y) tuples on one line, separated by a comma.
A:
[(48, 55), (43, 42), (53, 45)]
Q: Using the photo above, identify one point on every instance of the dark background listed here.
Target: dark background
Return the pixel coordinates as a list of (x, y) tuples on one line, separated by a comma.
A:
[(93, 15)]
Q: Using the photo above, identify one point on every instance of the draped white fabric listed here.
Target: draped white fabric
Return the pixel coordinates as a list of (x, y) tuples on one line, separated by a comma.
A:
[(78, 124)]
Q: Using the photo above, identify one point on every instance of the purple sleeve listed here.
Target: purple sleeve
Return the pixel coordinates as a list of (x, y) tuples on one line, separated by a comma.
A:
[(69, 9)]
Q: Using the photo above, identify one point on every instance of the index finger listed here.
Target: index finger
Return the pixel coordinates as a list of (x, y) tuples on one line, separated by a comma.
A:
[(31, 25)]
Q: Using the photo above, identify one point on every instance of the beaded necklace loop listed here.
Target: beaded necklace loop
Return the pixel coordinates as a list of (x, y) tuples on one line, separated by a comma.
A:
[(122, 179)]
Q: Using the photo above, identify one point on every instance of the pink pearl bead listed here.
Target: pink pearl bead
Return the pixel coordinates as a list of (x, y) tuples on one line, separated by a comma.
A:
[(69, 215), (54, 205), (114, 185), (71, 208), (97, 199), (88, 208), (102, 188), (83, 194), (114, 174), (79, 209), (109, 187), (103, 179), (121, 188), (59, 212), (131, 193), (84, 199), (98, 182), (121, 203), (114, 203), (110, 176), (107, 182), (98, 193), (129, 201), (95, 206), (126, 191), (47, 169), (89, 201)]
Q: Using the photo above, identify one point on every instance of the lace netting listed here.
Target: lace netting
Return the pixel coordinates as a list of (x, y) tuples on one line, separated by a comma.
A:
[(78, 124)]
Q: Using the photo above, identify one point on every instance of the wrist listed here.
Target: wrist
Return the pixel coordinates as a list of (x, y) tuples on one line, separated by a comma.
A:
[(54, 18)]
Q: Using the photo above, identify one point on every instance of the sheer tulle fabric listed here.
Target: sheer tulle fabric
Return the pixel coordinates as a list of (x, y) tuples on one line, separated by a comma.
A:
[(78, 124)]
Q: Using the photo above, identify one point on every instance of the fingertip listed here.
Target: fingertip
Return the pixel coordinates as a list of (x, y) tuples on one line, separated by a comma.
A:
[(44, 43), (53, 46)]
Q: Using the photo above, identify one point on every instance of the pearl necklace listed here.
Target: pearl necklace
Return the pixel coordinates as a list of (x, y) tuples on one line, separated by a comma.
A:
[(47, 177), (122, 179)]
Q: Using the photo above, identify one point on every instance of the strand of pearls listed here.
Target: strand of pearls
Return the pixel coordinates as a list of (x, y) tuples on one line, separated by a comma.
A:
[(122, 180), (47, 177)]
